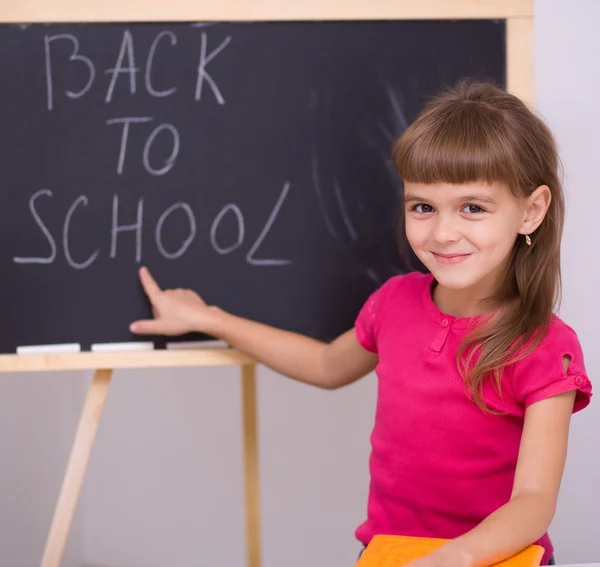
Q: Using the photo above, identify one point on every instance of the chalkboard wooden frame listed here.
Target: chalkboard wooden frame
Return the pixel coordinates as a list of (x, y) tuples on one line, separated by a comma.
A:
[(519, 17), (242, 10)]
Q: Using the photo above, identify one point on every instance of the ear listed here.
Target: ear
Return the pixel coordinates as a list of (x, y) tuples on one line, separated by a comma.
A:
[(536, 207)]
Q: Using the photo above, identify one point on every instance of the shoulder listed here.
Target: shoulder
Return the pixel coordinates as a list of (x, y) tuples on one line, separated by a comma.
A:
[(402, 286), (555, 366), (410, 283), (560, 341), (558, 333), (393, 293)]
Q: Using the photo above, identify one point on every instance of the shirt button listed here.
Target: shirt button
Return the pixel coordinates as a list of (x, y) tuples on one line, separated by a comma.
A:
[(579, 380), (445, 323)]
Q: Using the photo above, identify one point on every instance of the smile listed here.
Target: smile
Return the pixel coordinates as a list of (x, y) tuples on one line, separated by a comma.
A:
[(448, 259)]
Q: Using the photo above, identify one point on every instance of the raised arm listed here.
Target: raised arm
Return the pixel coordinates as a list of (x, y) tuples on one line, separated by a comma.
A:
[(325, 365)]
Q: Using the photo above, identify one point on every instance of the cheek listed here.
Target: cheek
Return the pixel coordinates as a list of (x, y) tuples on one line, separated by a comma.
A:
[(416, 232), (492, 236), (485, 232)]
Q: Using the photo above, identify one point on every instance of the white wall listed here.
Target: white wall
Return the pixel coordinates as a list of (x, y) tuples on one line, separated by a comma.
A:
[(568, 83), (38, 417), (165, 480), (165, 485)]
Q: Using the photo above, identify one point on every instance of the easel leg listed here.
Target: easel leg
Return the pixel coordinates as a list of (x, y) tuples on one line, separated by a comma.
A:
[(250, 424), (78, 461)]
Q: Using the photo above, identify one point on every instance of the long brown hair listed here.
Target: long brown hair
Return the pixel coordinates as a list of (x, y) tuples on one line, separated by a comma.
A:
[(477, 132)]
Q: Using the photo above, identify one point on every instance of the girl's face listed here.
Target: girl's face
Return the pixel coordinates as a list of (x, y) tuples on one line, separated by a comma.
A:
[(464, 233)]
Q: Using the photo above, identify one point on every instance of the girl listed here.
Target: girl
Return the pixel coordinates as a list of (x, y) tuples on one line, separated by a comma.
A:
[(477, 378)]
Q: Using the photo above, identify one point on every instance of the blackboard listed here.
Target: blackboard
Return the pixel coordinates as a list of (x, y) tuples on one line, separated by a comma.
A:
[(248, 161)]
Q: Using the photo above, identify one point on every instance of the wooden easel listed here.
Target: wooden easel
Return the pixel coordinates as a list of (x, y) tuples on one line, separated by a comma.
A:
[(103, 365)]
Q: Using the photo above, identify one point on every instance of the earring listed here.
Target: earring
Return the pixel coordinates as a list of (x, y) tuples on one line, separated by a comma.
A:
[(528, 240)]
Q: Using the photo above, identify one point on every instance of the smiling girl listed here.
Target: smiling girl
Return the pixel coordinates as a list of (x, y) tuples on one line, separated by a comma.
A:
[(477, 377)]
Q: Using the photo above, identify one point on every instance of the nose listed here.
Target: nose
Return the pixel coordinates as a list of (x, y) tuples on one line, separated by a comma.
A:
[(445, 229)]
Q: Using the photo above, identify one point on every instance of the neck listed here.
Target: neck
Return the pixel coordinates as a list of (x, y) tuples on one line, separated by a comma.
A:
[(469, 302)]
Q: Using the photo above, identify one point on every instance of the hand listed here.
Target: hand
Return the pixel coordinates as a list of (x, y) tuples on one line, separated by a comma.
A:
[(445, 556), (175, 311)]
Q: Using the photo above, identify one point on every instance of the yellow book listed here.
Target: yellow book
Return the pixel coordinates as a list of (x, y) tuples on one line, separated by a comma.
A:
[(397, 551)]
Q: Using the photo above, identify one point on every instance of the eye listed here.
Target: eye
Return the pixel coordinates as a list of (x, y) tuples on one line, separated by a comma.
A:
[(472, 209), (423, 208)]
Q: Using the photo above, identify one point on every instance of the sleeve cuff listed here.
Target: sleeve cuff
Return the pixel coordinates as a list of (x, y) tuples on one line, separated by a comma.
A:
[(568, 383)]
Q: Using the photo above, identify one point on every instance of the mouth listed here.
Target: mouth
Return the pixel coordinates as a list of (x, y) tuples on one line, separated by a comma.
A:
[(450, 259)]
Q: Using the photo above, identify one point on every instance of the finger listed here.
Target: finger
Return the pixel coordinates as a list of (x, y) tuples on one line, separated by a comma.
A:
[(149, 284), (145, 327)]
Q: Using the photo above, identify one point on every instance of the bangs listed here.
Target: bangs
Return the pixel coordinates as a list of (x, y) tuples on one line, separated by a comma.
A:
[(464, 143)]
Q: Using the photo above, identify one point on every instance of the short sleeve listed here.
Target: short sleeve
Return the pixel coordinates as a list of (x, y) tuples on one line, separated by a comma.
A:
[(541, 375), (368, 322)]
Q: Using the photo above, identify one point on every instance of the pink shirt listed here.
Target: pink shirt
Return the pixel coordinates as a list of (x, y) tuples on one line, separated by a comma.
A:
[(440, 465)]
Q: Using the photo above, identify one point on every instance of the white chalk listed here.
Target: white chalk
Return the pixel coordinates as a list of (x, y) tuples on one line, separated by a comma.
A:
[(132, 346), (190, 345), (49, 349)]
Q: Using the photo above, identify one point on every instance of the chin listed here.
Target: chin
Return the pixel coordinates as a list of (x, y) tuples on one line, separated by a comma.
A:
[(454, 278), (456, 282)]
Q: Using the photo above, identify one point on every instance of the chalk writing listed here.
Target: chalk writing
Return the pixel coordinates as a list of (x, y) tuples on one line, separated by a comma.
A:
[(215, 226), (43, 228), (202, 73), (125, 66), (118, 228), (169, 161), (131, 69), (263, 234), (159, 227), (75, 56), (65, 240), (136, 226), (145, 136), (151, 53), (125, 135)]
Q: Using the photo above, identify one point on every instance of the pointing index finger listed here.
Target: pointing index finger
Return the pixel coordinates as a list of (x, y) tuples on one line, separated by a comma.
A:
[(150, 286)]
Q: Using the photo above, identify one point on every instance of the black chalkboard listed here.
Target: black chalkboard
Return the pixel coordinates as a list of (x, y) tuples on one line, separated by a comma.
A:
[(248, 161)]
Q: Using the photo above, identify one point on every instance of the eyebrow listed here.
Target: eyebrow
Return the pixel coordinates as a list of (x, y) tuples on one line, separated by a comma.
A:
[(411, 197)]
